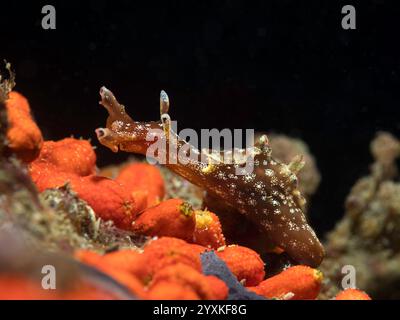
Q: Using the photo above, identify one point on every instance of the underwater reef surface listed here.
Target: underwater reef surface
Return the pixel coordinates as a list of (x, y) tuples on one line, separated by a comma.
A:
[(368, 236), (139, 231)]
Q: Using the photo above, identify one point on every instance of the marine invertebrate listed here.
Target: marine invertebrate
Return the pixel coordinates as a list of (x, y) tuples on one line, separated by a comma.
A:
[(156, 255), (352, 294), (24, 136), (144, 265), (125, 261), (69, 155), (70, 220), (286, 148), (167, 251), (178, 187), (55, 219), (73, 161), (213, 265), (295, 283), (142, 177), (170, 218), (205, 287), (244, 263), (108, 199), (167, 290), (208, 230), (268, 196)]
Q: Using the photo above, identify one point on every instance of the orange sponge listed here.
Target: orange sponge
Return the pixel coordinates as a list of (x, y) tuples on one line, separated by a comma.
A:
[(24, 136), (108, 199), (208, 231), (171, 218), (167, 290), (352, 294), (143, 177), (167, 251), (68, 155), (296, 283), (244, 263), (206, 287)]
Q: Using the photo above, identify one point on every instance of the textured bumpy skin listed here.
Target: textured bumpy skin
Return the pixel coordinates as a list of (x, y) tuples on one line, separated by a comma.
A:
[(267, 195)]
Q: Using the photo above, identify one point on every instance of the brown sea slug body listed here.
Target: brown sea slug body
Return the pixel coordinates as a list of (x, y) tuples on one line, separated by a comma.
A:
[(267, 194)]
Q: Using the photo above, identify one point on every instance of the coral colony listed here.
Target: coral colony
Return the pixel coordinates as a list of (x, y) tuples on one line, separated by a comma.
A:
[(137, 230)]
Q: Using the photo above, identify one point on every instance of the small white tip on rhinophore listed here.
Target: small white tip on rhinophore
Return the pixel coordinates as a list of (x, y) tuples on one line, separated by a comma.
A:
[(164, 102), (164, 96), (102, 89)]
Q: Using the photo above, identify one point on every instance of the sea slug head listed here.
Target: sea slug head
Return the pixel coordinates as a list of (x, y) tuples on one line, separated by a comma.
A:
[(107, 138), (122, 132)]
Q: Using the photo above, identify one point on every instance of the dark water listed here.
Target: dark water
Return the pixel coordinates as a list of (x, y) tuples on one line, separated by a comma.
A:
[(282, 66)]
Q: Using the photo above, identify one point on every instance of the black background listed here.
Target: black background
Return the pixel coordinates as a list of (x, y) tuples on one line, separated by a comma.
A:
[(282, 66)]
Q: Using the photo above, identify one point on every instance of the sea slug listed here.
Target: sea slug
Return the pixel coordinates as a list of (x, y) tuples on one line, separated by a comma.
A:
[(268, 196)]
